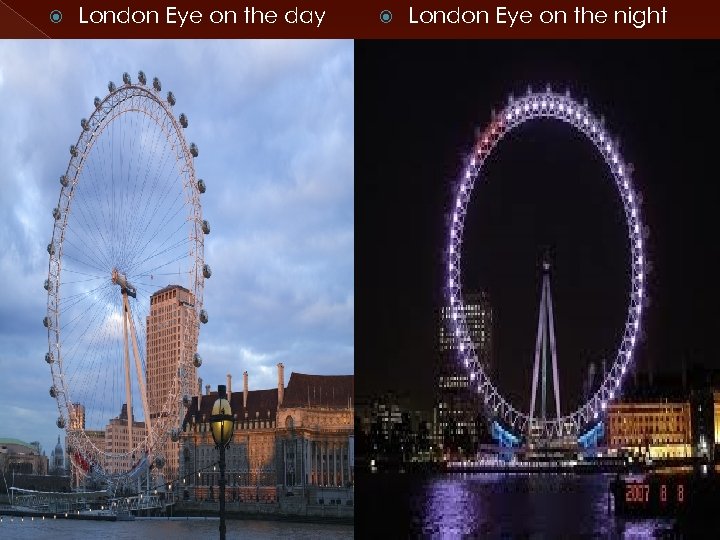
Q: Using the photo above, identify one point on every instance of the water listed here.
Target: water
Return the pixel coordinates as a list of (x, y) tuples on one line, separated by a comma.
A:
[(163, 529), (533, 506)]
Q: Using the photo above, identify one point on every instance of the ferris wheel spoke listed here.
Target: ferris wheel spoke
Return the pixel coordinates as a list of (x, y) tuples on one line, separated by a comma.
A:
[(171, 236), (101, 244), (168, 249)]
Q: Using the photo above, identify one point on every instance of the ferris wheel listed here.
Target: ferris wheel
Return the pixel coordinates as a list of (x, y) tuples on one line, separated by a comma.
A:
[(533, 106), (128, 225)]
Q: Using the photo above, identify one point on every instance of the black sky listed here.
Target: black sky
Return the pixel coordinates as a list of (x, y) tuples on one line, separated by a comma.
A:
[(417, 107)]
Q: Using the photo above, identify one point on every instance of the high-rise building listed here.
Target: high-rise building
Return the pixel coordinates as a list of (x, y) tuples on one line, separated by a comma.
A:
[(77, 416), (457, 417), (171, 333)]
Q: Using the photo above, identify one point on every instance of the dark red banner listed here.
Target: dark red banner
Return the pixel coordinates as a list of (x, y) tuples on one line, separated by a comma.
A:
[(506, 19)]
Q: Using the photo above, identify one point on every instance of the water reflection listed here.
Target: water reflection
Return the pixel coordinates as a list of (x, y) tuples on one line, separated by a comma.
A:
[(525, 506)]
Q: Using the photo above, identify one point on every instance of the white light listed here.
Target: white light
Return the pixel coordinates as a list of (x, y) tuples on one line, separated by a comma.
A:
[(472, 376), (552, 105), (632, 340), (595, 414), (577, 115), (593, 128), (452, 300), (517, 111), (535, 105), (637, 323), (614, 158), (633, 212), (454, 316), (620, 170), (608, 147), (625, 184), (640, 260), (452, 249), (637, 228), (462, 347), (612, 394), (455, 216), (543, 103), (630, 197), (585, 121), (561, 107), (508, 116), (638, 244), (450, 282), (462, 188), (453, 233), (467, 174), (640, 292), (527, 107), (623, 369), (604, 405), (569, 110), (602, 137), (472, 161), (451, 266)]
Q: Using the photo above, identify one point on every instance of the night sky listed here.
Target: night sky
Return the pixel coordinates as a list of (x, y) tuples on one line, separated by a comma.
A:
[(418, 105)]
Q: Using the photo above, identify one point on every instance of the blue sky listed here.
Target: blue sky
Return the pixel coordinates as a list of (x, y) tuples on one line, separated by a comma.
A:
[(274, 124)]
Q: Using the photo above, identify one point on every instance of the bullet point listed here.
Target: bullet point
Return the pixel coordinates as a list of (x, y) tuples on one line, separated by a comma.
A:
[(386, 16), (56, 15)]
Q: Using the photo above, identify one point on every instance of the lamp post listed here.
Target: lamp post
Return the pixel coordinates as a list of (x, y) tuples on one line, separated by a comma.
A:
[(221, 424)]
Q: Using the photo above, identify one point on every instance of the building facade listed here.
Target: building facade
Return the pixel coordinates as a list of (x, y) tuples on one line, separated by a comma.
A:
[(171, 335), (287, 441), (657, 430), (18, 457), (458, 423), (118, 444)]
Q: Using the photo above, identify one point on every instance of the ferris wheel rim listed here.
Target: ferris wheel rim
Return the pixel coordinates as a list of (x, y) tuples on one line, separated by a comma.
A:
[(106, 111), (562, 107)]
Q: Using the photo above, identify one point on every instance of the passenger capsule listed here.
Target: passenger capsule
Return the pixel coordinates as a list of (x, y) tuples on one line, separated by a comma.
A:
[(60, 422), (73, 150), (203, 316), (201, 186), (97, 102), (207, 272), (56, 213), (159, 462), (49, 358), (64, 181), (183, 120), (197, 360), (111, 87), (171, 99), (194, 149), (84, 124), (206, 226), (51, 249), (53, 392), (126, 78), (46, 285), (156, 84), (47, 322)]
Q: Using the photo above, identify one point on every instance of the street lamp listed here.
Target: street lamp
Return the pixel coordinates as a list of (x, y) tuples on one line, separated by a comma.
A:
[(221, 424)]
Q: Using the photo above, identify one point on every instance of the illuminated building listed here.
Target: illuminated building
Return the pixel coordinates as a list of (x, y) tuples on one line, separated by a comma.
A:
[(660, 430), (287, 440), (171, 332), (456, 414)]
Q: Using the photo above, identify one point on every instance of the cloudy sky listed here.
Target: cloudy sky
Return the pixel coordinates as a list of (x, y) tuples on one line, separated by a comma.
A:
[(274, 124)]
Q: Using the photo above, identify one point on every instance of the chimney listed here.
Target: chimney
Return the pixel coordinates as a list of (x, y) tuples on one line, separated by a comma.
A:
[(281, 383), (245, 389), (207, 389), (229, 386), (199, 388)]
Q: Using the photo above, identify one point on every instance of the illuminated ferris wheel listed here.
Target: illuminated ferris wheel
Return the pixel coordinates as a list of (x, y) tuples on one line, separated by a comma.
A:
[(128, 223), (533, 106)]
